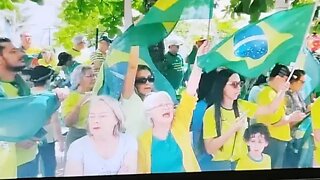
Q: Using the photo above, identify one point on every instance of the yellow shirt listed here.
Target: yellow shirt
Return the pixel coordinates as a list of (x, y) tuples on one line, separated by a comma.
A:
[(315, 116), (70, 103), (265, 97), (180, 131), (228, 118), (8, 156), (247, 163)]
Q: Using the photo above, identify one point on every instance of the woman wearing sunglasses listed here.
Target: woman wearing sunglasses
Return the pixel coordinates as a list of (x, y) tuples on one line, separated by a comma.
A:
[(137, 84), (225, 121)]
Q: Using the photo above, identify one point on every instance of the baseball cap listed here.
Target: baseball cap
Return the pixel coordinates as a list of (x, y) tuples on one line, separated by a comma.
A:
[(40, 73), (63, 58), (105, 38), (174, 42)]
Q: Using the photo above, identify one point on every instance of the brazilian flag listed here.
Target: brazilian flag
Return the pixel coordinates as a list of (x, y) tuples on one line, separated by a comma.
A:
[(156, 25), (22, 117), (255, 48)]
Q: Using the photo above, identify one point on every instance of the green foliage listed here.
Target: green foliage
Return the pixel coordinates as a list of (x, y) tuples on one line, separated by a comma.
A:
[(6, 4), (254, 8), (84, 16), (9, 4), (225, 27)]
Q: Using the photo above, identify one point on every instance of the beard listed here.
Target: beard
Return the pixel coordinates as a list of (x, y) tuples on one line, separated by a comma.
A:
[(15, 68)]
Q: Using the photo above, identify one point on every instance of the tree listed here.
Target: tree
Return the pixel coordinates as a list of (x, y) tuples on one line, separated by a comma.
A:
[(254, 8), (9, 4), (84, 16)]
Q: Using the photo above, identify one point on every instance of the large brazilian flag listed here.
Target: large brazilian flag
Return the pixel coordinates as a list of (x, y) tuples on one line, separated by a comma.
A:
[(156, 25), (255, 48)]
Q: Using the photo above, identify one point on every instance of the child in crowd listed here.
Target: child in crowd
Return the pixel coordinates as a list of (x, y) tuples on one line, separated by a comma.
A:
[(257, 137)]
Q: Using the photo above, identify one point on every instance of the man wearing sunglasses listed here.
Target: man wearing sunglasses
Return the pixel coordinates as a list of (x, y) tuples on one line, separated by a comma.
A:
[(173, 65), (278, 123)]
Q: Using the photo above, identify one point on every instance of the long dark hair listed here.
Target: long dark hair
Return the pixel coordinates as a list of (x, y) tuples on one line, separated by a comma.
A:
[(216, 96)]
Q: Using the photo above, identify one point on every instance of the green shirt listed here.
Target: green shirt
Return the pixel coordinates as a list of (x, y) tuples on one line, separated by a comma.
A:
[(166, 156), (173, 69)]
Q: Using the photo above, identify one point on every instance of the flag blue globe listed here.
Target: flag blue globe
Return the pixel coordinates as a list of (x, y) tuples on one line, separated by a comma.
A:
[(250, 42)]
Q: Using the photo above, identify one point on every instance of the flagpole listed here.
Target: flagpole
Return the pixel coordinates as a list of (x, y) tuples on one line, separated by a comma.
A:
[(304, 40), (209, 19)]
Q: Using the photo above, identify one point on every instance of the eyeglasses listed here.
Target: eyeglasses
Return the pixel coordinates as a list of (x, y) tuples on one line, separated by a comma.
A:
[(235, 84), (144, 80), (90, 75), (167, 105)]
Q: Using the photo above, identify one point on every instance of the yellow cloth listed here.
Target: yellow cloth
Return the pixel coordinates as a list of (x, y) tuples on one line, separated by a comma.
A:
[(70, 103), (315, 114), (247, 163), (265, 97), (8, 160), (32, 51), (180, 131), (228, 119), (26, 155), (53, 63), (8, 156)]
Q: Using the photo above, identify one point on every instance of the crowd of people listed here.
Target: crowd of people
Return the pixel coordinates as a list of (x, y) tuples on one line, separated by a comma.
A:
[(144, 131)]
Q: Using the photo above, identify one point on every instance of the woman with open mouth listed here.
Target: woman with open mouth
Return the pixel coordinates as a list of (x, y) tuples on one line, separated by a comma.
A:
[(166, 146)]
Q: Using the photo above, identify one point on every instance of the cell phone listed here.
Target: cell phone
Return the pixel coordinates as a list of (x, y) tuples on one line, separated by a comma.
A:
[(41, 133)]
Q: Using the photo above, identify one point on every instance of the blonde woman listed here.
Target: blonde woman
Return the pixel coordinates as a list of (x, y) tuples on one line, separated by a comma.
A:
[(106, 150)]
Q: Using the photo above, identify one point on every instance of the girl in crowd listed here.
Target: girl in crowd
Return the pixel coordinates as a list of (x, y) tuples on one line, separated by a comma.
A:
[(166, 147), (302, 158), (106, 150), (224, 122), (74, 110), (137, 84), (41, 77)]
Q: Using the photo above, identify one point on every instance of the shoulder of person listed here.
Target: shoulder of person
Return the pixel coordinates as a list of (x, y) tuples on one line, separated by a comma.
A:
[(81, 142)]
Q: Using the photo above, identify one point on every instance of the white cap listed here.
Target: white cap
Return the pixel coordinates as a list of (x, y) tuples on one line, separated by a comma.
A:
[(174, 42)]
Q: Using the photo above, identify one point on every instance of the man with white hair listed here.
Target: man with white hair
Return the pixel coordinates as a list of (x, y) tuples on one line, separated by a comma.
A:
[(32, 53), (172, 67), (78, 50)]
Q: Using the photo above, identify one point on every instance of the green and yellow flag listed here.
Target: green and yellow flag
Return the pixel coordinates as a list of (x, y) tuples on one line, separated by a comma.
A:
[(156, 25), (255, 48)]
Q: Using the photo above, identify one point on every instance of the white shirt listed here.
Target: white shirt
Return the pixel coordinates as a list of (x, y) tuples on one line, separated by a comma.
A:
[(83, 151)]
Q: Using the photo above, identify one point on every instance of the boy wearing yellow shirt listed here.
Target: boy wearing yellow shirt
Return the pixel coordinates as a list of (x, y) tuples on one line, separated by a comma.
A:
[(256, 137)]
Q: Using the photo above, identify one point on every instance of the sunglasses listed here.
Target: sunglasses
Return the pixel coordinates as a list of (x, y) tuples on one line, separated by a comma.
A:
[(235, 84), (144, 80)]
